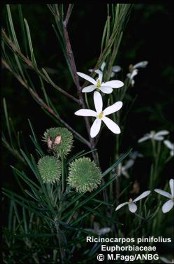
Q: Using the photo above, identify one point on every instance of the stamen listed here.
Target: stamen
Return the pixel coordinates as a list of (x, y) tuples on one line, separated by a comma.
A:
[(98, 83), (100, 116)]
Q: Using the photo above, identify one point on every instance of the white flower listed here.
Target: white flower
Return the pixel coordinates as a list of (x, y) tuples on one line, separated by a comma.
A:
[(159, 136), (135, 154), (99, 231), (122, 169), (101, 115), (165, 260), (115, 69), (169, 204), (131, 204), (105, 87), (134, 70), (170, 145)]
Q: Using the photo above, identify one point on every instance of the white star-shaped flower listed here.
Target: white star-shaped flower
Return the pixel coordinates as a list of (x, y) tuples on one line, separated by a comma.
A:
[(105, 87), (122, 169), (170, 146), (169, 204), (159, 136), (99, 231), (131, 203), (100, 115), (134, 70)]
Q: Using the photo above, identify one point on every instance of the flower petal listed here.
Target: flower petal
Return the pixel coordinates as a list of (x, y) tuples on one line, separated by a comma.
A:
[(98, 102), (146, 137), (132, 207), (166, 194), (134, 73), (169, 144), (89, 89), (113, 108), (111, 125), (121, 205), (172, 152), (86, 77), (132, 82), (158, 138), (162, 133), (100, 75), (141, 64), (165, 260), (116, 68), (171, 183), (114, 84), (95, 128), (103, 231), (103, 66), (167, 206), (106, 89), (129, 164), (141, 196), (85, 112)]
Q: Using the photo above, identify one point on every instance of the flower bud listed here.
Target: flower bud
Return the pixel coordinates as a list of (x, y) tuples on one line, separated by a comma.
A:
[(49, 169), (59, 140), (84, 175)]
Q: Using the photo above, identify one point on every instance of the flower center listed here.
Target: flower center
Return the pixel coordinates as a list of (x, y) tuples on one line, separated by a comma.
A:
[(98, 85), (100, 116), (152, 134), (130, 200)]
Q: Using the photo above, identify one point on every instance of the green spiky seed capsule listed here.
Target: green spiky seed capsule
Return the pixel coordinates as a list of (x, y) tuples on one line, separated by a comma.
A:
[(84, 175), (50, 169), (59, 140)]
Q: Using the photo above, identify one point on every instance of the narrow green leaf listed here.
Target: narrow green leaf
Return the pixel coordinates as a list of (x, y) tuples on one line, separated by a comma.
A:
[(7, 121), (35, 140), (32, 130), (21, 18), (29, 163), (10, 20), (10, 215), (16, 213), (25, 220), (91, 196), (31, 206), (104, 36), (30, 43), (44, 91)]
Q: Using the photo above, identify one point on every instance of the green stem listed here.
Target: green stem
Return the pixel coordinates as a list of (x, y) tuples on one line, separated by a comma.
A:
[(155, 168), (63, 173), (61, 248)]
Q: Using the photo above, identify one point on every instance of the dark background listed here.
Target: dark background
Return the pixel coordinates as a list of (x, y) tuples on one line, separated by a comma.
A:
[(148, 36)]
